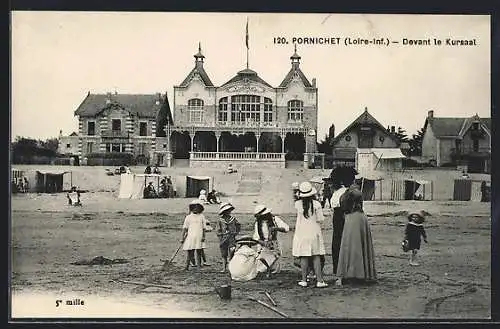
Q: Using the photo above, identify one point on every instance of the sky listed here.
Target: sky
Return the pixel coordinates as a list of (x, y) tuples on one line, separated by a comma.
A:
[(58, 57)]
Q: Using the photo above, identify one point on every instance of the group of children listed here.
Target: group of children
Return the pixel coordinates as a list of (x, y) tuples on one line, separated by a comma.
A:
[(196, 225), (194, 230)]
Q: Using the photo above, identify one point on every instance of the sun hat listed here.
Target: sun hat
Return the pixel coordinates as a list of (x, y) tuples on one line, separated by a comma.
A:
[(295, 185), (261, 210), (418, 216), (202, 192), (306, 190), (225, 207), (196, 202)]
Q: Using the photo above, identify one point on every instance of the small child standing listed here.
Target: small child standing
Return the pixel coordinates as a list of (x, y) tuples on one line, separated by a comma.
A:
[(208, 228), (414, 231), (193, 233), (227, 229)]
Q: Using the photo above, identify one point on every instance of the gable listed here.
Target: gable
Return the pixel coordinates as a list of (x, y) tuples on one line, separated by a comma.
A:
[(364, 119), (197, 73), (295, 74)]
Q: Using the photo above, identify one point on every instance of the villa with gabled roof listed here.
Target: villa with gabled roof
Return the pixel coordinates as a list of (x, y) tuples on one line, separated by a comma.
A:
[(458, 141)]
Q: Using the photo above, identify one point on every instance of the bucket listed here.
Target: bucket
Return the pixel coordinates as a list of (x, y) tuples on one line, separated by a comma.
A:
[(224, 291)]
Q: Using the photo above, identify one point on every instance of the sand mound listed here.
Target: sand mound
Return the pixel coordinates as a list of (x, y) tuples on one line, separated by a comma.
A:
[(100, 260)]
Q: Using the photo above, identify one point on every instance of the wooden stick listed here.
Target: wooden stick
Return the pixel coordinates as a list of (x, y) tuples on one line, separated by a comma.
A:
[(269, 307), (144, 284), (270, 298), (168, 262)]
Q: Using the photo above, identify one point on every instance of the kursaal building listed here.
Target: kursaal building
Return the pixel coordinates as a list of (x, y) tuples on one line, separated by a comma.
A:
[(245, 121)]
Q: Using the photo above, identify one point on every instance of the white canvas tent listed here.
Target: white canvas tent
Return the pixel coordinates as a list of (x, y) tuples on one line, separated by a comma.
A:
[(386, 159), (132, 185)]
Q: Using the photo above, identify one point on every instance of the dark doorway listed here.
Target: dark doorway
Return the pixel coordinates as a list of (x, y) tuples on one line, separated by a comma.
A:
[(195, 185), (295, 146)]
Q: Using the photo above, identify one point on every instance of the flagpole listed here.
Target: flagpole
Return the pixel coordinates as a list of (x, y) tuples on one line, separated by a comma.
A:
[(246, 41)]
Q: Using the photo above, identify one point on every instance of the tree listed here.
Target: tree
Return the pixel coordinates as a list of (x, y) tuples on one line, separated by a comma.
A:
[(325, 145), (416, 142), (401, 135)]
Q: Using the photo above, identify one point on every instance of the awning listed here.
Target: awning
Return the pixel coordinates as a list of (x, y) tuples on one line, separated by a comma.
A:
[(388, 153), (317, 179), (53, 172), (199, 177)]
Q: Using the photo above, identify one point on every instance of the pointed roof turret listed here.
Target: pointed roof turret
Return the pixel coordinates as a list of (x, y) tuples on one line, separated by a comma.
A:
[(199, 56), (198, 70), (295, 71), (295, 57)]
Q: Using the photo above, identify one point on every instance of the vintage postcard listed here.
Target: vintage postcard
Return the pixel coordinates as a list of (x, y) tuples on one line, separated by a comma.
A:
[(234, 165)]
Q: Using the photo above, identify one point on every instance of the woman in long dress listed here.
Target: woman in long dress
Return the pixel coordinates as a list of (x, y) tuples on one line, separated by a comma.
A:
[(308, 239), (356, 257)]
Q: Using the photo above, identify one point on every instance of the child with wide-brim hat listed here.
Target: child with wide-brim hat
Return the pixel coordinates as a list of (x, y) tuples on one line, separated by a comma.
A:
[(414, 232), (228, 228)]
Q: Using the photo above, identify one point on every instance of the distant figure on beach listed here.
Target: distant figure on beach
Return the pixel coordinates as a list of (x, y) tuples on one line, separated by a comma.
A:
[(230, 169), (74, 197)]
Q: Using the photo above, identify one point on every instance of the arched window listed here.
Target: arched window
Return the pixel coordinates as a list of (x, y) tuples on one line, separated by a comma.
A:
[(295, 110), (195, 108), (245, 108), (222, 117), (268, 110)]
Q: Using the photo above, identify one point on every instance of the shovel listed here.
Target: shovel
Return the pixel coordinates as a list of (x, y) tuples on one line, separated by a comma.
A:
[(167, 262)]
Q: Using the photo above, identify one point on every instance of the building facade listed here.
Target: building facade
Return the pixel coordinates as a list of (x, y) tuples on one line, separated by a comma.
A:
[(363, 133), (458, 141), (68, 145), (245, 121), (121, 123)]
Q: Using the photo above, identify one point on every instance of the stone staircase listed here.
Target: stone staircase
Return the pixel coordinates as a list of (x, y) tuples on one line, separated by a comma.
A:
[(250, 183)]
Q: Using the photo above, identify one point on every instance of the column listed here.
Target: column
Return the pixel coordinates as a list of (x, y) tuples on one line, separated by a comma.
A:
[(257, 137), (217, 138), (283, 136)]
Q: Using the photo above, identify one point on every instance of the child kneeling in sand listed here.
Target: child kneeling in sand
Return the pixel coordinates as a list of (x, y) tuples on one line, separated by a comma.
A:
[(193, 233)]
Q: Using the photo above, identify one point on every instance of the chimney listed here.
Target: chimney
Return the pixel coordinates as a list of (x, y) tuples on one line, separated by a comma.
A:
[(430, 114), (393, 129), (314, 82)]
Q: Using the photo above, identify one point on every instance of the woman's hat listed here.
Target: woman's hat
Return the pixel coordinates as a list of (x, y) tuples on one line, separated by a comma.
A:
[(306, 190), (225, 207), (261, 210), (202, 192), (295, 185)]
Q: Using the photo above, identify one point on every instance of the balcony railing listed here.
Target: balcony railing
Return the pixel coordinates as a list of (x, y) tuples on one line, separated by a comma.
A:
[(469, 151), (237, 156), (115, 133)]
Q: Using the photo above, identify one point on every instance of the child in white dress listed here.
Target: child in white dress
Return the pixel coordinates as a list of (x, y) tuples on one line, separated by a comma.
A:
[(193, 233)]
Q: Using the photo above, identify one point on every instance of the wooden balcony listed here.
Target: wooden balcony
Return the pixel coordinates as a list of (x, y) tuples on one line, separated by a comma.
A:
[(464, 152)]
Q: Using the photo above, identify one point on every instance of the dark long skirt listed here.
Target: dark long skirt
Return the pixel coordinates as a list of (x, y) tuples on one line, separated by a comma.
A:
[(338, 228)]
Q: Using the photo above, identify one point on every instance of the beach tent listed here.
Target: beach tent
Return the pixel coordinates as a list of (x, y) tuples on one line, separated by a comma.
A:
[(412, 189), (53, 181), (190, 186), (132, 185), (368, 185)]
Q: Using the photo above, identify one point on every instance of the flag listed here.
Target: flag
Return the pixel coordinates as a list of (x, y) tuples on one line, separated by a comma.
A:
[(246, 39)]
